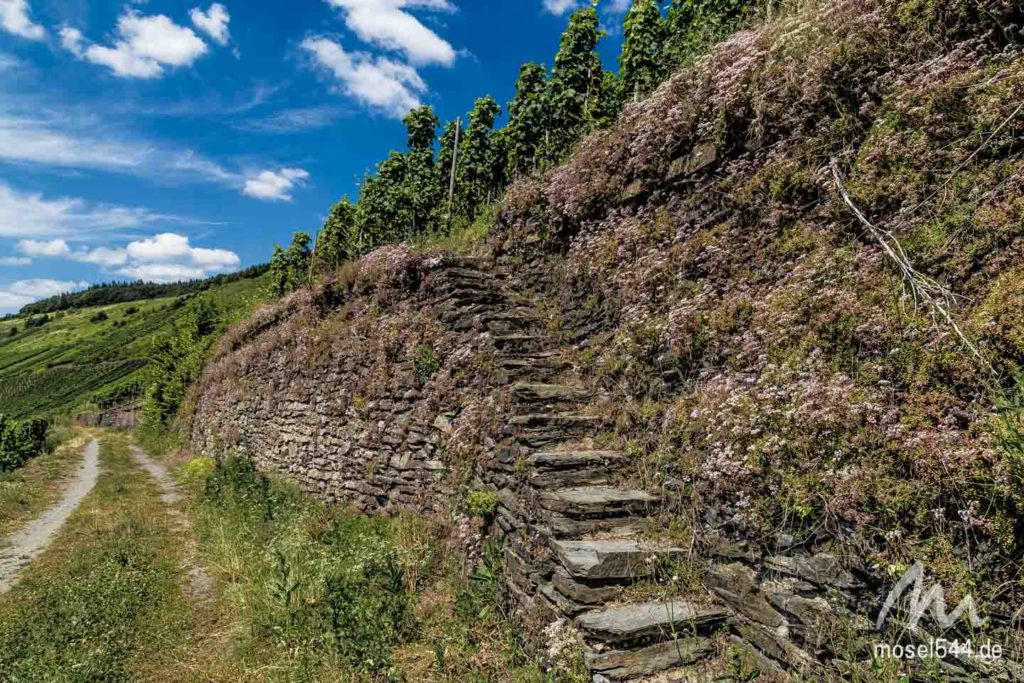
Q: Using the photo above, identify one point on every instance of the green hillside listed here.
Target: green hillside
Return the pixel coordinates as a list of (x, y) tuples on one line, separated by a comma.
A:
[(96, 357)]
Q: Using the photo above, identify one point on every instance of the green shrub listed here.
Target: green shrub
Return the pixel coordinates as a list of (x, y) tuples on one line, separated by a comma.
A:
[(482, 503), (426, 362), (21, 441)]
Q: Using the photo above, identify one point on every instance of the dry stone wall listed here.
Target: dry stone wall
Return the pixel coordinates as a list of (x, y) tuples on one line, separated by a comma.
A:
[(584, 550)]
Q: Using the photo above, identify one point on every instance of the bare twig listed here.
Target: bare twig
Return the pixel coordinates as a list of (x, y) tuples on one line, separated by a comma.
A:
[(924, 288)]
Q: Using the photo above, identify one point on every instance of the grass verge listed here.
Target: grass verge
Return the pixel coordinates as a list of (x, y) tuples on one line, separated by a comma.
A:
[(104, 602), (29, 490), (308, 592)]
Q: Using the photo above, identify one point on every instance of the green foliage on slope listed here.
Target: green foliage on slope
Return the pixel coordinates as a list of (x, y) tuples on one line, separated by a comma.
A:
[(80, 360)]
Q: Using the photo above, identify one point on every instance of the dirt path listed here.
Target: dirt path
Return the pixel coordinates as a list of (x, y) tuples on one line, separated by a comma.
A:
[(17, 550), (200, 584)]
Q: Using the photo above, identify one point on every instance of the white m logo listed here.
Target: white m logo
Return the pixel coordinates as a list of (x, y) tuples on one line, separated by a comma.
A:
[(934, 598)]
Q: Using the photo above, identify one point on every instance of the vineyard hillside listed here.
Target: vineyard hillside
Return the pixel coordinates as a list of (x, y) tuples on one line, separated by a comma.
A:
[(95, 357)]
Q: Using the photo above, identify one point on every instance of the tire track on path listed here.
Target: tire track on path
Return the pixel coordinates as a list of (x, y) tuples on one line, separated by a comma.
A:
[(200, 584), (21, 547)]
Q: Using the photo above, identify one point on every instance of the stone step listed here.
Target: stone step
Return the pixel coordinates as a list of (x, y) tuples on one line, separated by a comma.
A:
[(541, 429), (614, 559), (523, 343), (540, 366), (510, 322), (464, 294), (653, 621), (624, 665), (537, 393), (597, 501), (554, 469), (561, 526)]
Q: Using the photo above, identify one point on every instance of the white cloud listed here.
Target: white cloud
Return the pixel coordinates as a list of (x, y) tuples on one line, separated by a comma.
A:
[(103, 256), (275, 185), (387, 24), (377, 82), (168, 257), (293, 120), (213, 22), (72, 40), (45, 142), (32, 215), (560, 7), (15, 261), (15, 18), (22, 292), (37, 142), (145, 46), (57, 247), (161, 258)]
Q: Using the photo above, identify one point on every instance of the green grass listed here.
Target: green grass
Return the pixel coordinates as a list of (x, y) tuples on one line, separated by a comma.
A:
[(29, 490), (104, 602), (308, 592), (76, 363)]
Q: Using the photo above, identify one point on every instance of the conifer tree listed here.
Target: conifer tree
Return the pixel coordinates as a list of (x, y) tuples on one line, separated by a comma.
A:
[(575, 84), (527, 120), (641, 61)]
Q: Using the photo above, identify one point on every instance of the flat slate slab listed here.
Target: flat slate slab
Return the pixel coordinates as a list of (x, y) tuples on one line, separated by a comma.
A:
[(619, 665), (613, 559), (597, 501), (574, 460), (626, 623)]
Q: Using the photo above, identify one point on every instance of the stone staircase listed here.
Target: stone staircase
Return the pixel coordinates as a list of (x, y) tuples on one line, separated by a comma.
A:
[(575, 536)]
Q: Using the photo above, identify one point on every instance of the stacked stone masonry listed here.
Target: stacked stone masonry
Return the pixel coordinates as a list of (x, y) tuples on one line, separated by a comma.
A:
[(577, 540)]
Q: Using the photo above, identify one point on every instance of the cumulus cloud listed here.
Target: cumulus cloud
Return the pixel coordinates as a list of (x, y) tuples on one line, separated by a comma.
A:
[(169, 256), (15, 261), (387, 24), (15, 17), (31, 215), (213, 22), (161, 258), (56, 247), (145, 46), (560, 7), (380, 83), (23, 292), (275, 185)]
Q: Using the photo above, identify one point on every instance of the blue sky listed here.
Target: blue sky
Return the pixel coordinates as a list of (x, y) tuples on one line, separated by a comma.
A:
[(159, 139)]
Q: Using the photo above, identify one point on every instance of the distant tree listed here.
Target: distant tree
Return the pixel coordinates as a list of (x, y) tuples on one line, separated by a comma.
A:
[(479, 170), (98, 317), (176, 361), (527, 120), (338, 240), (641, 62), (575, 84)]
